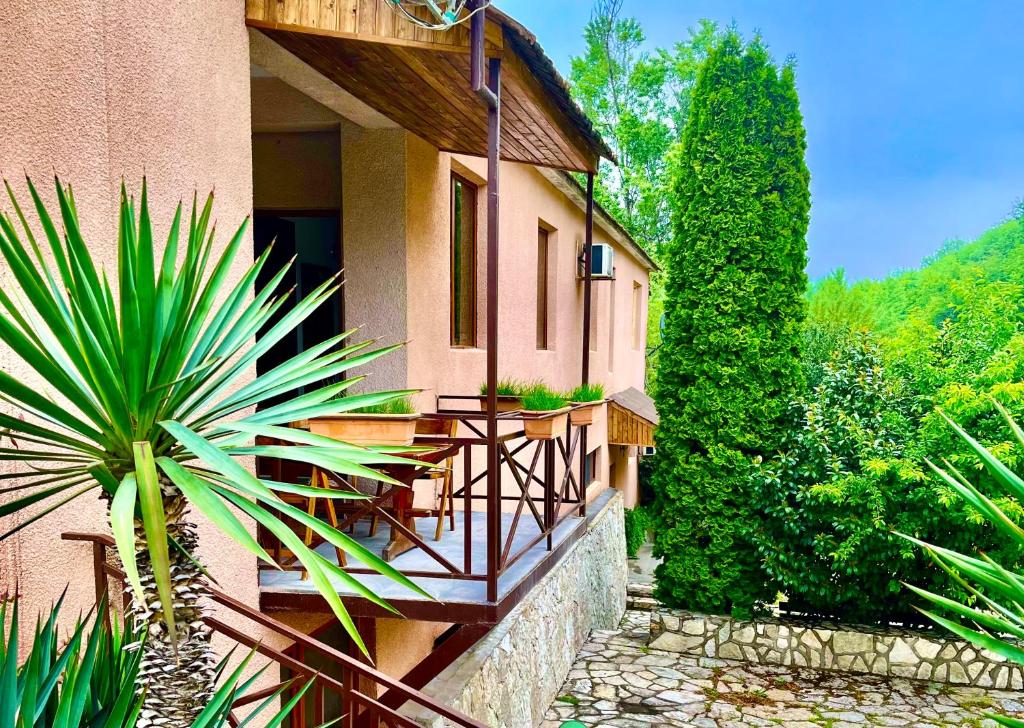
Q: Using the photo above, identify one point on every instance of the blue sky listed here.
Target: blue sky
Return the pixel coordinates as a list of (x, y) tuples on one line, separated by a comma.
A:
[(914, 110)]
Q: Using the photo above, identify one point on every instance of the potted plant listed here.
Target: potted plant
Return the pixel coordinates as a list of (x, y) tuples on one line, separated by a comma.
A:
[(543, 412), (509, 391), (392, 423), (585, 400)]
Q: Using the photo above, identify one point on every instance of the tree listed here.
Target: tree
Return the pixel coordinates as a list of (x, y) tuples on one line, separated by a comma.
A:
[(638, 101), (735, 307), (146, 399)]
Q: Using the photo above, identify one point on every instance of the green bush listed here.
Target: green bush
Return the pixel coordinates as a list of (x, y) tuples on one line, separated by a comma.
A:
[(849, 475), (86, 678), (845, 478), (638, 525), (729, 364)]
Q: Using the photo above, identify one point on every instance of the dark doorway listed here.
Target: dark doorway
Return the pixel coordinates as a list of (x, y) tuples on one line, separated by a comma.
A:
[(314, 240)]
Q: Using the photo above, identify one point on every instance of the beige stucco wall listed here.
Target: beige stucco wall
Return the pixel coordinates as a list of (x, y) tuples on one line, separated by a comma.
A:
[(96, 90), (527, 201), (375, 180)]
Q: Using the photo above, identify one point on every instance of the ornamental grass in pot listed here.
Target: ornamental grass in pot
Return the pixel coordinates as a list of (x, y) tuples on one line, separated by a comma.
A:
[(389, 423), (543, 413), (509, 394), (585, 401)]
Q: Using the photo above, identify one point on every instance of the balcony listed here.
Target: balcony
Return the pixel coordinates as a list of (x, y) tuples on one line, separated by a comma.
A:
[(481, 552)]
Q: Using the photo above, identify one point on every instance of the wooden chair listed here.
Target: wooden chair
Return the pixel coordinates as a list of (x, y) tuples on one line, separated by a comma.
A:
[(441, 427)]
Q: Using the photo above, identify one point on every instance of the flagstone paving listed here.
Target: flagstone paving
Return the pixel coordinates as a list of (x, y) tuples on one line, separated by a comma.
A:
[(618, 682)]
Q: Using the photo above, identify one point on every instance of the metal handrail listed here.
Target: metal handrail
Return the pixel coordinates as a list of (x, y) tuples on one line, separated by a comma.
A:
[(350, 664)]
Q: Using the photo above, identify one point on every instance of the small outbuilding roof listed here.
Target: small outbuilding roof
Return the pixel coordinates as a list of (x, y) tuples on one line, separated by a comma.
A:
[(637, 402)]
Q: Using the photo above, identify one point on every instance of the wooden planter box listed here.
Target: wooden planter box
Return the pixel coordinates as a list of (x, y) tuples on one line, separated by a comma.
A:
[(583, 414), (506, 403), (367, 429), (545, 425)]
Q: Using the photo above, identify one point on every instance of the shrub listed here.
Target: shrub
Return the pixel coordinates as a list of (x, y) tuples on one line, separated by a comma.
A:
[(638, 525), (847, 478), (539, 398), (843, 480), (86, 679), (729, 363)]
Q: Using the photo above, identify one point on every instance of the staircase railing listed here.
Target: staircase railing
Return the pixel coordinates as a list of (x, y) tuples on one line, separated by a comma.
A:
[(358, 708)]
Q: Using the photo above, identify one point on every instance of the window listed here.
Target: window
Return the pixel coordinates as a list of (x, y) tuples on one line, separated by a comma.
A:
[(638, 321), (590, 468), (543, 287), (611, 325), (593, 318), (463, 263)]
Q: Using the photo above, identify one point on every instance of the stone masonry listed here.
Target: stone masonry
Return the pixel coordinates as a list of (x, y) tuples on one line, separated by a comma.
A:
[(889, 653), (512, 675), (620, 682)]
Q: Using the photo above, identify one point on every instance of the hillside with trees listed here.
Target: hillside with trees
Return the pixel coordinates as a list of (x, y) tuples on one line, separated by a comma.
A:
[(886, 361)]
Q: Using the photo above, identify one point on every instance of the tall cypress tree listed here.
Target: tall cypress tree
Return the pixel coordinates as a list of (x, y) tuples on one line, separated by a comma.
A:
[(735, 306)]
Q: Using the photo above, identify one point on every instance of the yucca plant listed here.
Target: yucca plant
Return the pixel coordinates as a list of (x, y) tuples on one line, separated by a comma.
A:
[(994, 618), (146, 395), (60, 685)]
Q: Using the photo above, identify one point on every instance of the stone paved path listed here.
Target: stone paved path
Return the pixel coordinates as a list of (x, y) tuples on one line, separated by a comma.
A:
[(618, 682)]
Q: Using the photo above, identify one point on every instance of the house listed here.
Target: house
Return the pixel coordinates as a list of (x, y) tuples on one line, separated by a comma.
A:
[(361, 141)]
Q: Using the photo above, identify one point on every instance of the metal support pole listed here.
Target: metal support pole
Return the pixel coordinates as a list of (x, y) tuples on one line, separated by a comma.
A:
[(583, 471), (491, 96), (588, 247), (549, 490)]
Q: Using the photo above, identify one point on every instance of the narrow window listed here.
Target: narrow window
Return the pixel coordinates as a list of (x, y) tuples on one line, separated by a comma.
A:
[(638, 322), (611, 325), (463, 263), (593, 317), (543, 238), (590, 468)]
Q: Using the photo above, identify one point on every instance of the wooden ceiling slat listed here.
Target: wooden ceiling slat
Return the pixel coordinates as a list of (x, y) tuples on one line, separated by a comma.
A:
[(368, 16), (328, 15), (256, 9), (319, 53)]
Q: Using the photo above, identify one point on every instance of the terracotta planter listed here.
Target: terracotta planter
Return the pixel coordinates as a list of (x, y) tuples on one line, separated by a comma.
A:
[(360, 428), (583, 412), (545, 425)]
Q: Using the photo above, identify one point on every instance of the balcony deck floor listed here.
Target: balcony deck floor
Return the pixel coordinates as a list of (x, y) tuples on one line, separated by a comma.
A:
[(451, 547)]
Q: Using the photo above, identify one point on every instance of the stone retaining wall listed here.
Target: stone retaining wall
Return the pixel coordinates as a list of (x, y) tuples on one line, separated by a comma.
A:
[(512, 675), (894, 653)]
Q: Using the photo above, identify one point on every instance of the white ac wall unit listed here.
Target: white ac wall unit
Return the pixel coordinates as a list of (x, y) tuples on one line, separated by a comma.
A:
[(602, 261)]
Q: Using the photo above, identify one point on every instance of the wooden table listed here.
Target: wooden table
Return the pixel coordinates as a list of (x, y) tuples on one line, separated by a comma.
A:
[(404, 536)]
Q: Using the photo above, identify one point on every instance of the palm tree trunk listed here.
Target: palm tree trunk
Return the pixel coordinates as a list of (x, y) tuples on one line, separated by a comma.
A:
[(180, 679)]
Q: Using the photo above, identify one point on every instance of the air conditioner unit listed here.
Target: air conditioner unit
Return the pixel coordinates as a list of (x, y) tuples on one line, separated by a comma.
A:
[(602, 261)]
